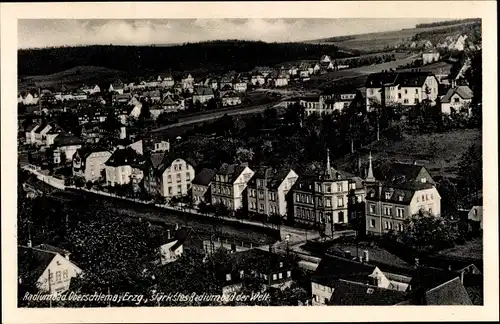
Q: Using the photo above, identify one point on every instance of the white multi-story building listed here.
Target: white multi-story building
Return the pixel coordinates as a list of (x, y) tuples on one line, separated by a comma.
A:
[(228, 185)]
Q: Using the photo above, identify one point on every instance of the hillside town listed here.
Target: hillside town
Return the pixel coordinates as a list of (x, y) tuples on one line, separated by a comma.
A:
[(298, 200)]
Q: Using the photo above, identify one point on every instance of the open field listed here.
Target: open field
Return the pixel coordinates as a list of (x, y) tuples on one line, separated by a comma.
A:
[(439, 152), (436, 68), (72, 78), (379, 41), (472, 249)]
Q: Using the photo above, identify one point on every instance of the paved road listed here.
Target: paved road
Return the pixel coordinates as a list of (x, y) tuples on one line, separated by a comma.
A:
[(216, 114)]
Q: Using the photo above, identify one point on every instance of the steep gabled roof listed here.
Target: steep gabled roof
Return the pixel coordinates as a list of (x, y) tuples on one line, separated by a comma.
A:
[(231, 170), (412, 79), (463, 91), (376, 80), (66, 140), (126, 156), (452, 292), (354, 293), (32, 262), (204, 177), (332, 268)]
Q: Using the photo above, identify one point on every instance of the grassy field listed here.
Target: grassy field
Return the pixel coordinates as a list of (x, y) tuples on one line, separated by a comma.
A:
[(74, 77), (379, 41), (471, 249), (440, 153)]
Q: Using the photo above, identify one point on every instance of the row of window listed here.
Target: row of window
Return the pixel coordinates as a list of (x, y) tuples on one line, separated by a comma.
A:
[(58, 276), (387, 225), (170, 190), (275, 276), (253, 193), (425, 197), (400, 212), (178, 177), (222, 190), (178, 167), (327, 201)]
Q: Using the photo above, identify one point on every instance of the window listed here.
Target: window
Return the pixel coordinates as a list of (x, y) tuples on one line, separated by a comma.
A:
[(265, 277), (288, 274), (179, 189), (281, 264), (372, 209), (405, 101), (280, 275), (418, 199), (178, 177), (400, 198), (386, 225), (416, 101), (188, 176), (65, 274), (328, 188), (169, 179), (58, 276), (261, 194), (430, 211), (406, 91), (456, 100), (399, 96), (328, 202), (400, 227), (261, 207), (341, 217), (228, 277), (390, 225), (340, 202), (297, 198), (387, 210), (423, 198), (372, 223), (387, 195), (169, 190), (180, 167), (432, 197), (340, 187), (275, 277), (400, 212), (51, 277), (242, 273), (416, 91), (426, 197)]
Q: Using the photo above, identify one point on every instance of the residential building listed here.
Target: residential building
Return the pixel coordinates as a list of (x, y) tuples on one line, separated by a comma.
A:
[(170, 104), (267, 191), (46, 133), (281, 80), (116, 86), (230, 98), (406, 190), (320, 199), (173, 248), (45, 268), (89, 162), (166, 81), (344, 281), (167, 176), (28, 99), (239, 85), (30, 133), (202, 95), (152, 96), (257, 79), (430, 57), (458, 99), (264, 70), (474, 216), (187, 82), (200, 189), (405, 88), (66, 145), (228, 185), (123, 167)]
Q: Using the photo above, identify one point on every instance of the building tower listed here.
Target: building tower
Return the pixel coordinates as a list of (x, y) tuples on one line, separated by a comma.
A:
[(369, 177)]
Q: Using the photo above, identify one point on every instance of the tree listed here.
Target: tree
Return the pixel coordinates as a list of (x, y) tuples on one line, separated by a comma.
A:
[(471, 174), (449, 198), (428, 233), (244, 155)]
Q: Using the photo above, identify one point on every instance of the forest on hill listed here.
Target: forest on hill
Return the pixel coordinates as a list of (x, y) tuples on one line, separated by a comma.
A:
[(197, 58)]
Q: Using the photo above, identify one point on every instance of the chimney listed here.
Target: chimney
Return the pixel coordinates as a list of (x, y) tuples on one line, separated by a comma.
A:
[(417, 262), (366, 256), (414, 162), (30, 244), (168, 234), (66, 256), (123, 132)]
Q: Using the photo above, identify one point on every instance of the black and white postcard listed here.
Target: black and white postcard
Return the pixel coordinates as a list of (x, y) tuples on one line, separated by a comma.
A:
[(173, 159)]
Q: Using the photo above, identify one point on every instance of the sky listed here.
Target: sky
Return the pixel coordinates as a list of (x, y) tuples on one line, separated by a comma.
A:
[(35, 33)]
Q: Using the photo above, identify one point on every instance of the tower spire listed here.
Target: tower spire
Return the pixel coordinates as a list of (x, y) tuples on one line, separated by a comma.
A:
[(328, 167), (370, 177)]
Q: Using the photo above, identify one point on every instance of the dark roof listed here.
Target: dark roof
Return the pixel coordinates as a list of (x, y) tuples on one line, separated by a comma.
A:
[(452, 292), (262, 261), (85, 151), (376, 80), (66, 140), (126, 156), (32, 262), (463, 91), (204, 177), (412, 79), (273, 176), (51, 248), (31, 127), (203, 91), (402, 173), (396, 195), (355, 293), (332, 268), (180, 235), (231, 170)]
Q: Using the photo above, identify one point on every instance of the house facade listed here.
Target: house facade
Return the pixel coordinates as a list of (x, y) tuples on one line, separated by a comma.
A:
[(89, 162), (203, 95), (124, 167), (458, 99), (200, 189), (408, 189), (228, 185), (230, 99), (405, 88), (321, 200), (267, 191), (46, 268)]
